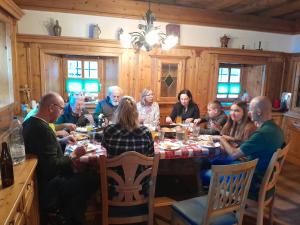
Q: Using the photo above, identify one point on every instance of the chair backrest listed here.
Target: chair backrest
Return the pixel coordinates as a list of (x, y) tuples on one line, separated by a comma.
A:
[(124, 180), (228, 190), (271, 176)]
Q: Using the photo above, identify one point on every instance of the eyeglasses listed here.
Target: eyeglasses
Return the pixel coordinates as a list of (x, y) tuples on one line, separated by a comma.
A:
[(58, 106)]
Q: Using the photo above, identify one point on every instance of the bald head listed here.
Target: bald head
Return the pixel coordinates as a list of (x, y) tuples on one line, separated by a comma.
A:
[(260, 109), (50, 98), (51, 106)]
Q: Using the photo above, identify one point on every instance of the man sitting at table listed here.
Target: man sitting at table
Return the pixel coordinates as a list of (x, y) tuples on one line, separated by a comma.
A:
[(59, 187), (74, 112), (261, 144), (108, 105)]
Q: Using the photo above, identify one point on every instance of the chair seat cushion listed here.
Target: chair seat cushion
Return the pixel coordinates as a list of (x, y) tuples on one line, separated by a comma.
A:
[(192, 210)]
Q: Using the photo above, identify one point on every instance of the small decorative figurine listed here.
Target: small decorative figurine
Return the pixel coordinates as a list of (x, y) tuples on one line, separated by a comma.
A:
[(96, 32), (259, 46), (224, 41), (57, 29)]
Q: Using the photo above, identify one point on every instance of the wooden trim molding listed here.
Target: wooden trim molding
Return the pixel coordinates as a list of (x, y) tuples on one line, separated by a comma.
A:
[(163, 12), (11, 8)]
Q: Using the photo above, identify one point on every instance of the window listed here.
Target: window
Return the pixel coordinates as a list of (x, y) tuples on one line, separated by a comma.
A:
[(229, 86), (82, 76)]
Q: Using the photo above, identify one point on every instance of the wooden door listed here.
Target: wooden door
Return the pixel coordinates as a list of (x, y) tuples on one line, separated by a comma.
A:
[(53, 78)]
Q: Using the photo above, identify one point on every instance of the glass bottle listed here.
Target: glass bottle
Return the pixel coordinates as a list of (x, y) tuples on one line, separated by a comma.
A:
[(16, 142), (7, 172)]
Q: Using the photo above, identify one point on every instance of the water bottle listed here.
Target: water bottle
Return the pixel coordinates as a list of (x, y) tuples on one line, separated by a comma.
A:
[(16, 142)]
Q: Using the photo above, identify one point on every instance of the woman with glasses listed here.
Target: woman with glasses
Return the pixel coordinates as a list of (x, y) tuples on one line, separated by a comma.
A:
[(148, 109), (126, 133)]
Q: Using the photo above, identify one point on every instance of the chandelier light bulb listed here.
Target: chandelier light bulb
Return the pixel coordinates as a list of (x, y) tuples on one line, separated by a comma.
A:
[(169, 42), (152, 37)]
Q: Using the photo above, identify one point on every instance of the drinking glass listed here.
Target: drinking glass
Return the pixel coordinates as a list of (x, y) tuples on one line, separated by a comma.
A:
[(180, 134), (161, 135), (178, 119), (196, 131)]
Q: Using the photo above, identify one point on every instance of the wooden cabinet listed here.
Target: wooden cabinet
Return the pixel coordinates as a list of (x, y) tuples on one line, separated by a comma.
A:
[(277, 117), (291, 126), (19, 202)]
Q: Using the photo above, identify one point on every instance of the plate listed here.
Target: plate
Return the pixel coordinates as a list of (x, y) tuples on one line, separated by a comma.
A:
[(80, 137), (81, 129), (167, 145)]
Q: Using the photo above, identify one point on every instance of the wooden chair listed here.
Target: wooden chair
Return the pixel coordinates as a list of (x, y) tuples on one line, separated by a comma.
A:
[(266, 194), (125, 175), (225, 202)]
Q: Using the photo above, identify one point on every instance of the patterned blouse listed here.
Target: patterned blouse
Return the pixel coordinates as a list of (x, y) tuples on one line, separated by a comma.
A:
[(150, 114)]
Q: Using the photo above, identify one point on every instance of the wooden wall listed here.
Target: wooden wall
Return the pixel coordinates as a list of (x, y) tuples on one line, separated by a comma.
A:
[(137, 70)]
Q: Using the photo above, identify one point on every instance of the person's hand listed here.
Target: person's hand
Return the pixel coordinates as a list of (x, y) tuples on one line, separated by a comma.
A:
[(197, 121), (79, 151), (189, 120), (70, 126), (228, 138), (90, 118), (68, 139), (216, 126), (62, 133), (169, 120)]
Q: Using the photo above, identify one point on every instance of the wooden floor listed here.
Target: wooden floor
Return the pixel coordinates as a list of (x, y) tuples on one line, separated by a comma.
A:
[(287, 203)]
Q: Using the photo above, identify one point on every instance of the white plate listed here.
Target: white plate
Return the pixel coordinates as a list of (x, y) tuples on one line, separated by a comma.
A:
[(167, 145), (81, 129)]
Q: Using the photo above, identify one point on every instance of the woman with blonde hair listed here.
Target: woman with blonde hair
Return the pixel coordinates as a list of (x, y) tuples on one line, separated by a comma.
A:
[(126, 134), (238, 127), (148, 109)]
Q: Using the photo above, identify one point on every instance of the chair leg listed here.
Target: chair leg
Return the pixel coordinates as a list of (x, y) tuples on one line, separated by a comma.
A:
[(271, 207)]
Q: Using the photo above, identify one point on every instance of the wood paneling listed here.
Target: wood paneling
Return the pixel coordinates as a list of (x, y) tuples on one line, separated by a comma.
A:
[(136, 71), (168, 13), (252, 79)]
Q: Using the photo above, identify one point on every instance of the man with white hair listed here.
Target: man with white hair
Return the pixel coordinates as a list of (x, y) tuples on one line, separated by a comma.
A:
[(262, 143), (108, 105)]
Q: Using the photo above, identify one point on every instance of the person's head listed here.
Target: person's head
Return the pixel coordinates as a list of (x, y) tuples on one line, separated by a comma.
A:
[(185, 97), (239, 112), (51, 107), (114, 93), (214, 108), (76, 103), (147, 97), (126, 114), (260, 109)]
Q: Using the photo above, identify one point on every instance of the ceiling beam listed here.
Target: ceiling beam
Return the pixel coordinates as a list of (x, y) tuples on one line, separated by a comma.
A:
[(255, 6), (282, 9), (164, 13)]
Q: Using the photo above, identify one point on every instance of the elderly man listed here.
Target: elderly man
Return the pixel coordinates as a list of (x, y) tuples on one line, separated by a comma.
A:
[(263, 142), (59, 187), (108, 105), (74, 112)]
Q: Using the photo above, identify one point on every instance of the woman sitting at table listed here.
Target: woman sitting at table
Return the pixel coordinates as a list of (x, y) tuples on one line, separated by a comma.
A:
[(184, 108), (147, 109), (238, 127), (126, 134)]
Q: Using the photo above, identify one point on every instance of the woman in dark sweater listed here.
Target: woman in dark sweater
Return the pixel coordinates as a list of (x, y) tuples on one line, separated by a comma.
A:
[(184, 108)]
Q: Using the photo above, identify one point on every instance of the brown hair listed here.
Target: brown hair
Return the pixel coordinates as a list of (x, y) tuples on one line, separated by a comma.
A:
[(215, 104), (238, 130), (126, 114)]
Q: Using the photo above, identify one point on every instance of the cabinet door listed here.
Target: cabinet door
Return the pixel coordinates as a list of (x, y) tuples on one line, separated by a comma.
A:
[(170, 79), (292, 134)]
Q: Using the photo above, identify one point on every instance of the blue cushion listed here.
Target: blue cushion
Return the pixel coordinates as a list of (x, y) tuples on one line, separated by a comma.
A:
[(192, 210)]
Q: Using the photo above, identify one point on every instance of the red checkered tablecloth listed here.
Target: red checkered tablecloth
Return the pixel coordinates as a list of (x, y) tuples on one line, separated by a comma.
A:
[(187, 150)]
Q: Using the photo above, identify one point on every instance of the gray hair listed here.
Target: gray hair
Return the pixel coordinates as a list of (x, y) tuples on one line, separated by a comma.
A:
[(111, 89), (144, 94)]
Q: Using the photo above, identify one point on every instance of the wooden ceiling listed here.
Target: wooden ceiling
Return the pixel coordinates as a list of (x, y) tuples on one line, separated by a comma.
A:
[(279, 16)]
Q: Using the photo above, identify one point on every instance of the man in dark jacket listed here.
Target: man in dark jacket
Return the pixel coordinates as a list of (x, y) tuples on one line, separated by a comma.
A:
[(59, 187)]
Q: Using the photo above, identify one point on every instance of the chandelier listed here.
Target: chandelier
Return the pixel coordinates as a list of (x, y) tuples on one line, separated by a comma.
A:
[(151, 36)]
